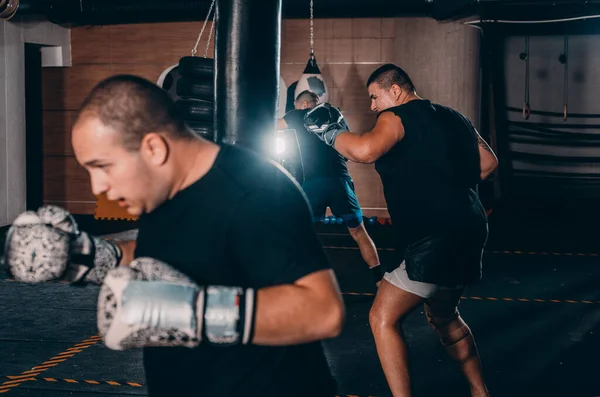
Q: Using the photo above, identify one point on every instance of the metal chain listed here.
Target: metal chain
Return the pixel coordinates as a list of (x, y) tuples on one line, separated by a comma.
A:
[(212, 25), (195, 49), (311, 28)]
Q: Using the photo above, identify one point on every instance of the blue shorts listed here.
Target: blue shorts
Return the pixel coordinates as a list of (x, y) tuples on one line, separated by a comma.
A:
[(337, 194)]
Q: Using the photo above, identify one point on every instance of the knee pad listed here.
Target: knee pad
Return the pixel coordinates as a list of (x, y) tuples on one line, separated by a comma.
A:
[(450, 329), (450, 338)]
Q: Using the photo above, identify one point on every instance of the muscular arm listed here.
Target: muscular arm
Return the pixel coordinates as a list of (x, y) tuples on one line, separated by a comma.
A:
[(488, 162), (311, 309), (281, 124), (369, 146)]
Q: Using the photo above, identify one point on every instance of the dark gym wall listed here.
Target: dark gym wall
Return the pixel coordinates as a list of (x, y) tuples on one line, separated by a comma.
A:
[(550, 158), (34, 139), (441, 58)]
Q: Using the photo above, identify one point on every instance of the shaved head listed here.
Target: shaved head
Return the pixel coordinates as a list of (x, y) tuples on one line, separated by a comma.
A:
[(387, 75), (306, 100), (132, 107)]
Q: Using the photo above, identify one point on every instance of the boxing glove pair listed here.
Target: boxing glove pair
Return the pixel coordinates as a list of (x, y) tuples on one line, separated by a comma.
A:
[(147, 303), (47, 245)]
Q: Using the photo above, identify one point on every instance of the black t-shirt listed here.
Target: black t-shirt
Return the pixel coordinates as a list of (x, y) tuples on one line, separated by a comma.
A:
[(429, 177), (245, 223), (318, 159)]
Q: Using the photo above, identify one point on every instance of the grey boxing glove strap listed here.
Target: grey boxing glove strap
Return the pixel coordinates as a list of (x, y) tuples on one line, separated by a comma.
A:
[(224, 315), (228, 315)]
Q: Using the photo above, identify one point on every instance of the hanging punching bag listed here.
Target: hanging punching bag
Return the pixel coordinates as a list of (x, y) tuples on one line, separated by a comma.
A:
[(312, 80), (247, 58)]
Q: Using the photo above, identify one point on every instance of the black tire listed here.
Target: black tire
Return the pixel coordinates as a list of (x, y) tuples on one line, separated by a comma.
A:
[(196, 110), (202, 128), (197, 68), (196, 89)]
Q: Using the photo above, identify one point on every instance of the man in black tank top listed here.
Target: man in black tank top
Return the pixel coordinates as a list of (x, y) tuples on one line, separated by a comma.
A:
[(430, 159), (327, 182)]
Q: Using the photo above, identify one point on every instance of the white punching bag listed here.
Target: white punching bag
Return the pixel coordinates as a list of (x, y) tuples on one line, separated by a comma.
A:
[(312, 80)]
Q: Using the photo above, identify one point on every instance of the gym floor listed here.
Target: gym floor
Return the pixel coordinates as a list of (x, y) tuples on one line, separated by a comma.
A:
[(535, 318)]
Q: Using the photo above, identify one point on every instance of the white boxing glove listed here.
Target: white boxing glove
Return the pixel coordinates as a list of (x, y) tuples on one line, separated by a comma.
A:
[(148, 303), (47, 245)]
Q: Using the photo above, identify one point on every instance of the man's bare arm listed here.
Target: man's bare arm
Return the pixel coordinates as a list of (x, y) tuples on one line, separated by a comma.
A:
[(488, 162), (370, 146), (309, 310), (281, 124)]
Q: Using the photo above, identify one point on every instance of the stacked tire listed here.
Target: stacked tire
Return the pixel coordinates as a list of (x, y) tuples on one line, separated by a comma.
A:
[(196, 92)]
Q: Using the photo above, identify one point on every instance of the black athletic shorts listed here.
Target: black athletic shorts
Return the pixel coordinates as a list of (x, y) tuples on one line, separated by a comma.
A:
[(449, 258)]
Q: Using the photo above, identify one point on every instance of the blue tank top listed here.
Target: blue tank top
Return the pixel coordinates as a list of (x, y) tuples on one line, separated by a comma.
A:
[(430, 177)]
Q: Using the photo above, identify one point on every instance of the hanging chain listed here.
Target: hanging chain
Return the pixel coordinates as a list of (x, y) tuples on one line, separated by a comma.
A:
[(311, 30), (195, 49), (212, 25)]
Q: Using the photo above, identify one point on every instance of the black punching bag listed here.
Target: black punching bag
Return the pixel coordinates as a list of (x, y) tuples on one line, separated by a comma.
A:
[(247, 55)]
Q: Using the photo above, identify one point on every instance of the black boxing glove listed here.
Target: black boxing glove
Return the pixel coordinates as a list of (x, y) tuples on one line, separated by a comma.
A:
[(326, 122), (47, 245)]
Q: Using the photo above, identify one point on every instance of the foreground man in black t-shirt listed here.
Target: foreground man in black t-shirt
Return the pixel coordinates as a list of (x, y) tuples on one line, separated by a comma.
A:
[(225, 299), (430, 159), (327, 182)]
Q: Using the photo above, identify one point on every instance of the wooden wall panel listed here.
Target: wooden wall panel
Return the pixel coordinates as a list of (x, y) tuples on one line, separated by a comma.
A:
[(57, 132), (156, 43), (440, 57), (91, 45), (65, 180), (66, 88)]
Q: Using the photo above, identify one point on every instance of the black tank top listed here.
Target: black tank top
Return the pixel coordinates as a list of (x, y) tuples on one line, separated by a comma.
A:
[(430, 177)]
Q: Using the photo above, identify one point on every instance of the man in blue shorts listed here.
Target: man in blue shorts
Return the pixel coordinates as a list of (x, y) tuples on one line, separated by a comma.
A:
[(327, 182)]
